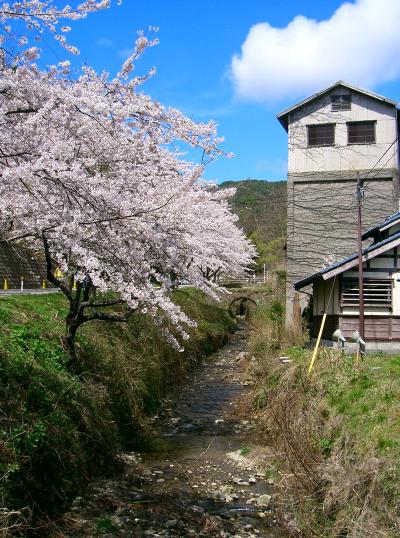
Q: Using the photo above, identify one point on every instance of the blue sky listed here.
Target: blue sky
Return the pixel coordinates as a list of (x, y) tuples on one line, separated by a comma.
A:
[(198, 40)]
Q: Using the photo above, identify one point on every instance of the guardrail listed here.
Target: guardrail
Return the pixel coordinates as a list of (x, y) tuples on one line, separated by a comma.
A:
[(243, 281)]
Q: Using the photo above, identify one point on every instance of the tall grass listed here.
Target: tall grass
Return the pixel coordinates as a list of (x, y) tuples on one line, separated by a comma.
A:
[(335, 434), (57, 429)]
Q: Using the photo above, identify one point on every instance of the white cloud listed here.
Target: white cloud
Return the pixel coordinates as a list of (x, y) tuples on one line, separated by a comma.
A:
[(125, 53), (360, 44), (104, 42)]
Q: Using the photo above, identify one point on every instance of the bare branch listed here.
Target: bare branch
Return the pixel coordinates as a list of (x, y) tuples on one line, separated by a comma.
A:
[(104, 316)]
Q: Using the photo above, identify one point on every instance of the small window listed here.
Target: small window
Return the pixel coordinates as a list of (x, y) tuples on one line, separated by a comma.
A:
[(321, 135), (361, 132), (341, 102)]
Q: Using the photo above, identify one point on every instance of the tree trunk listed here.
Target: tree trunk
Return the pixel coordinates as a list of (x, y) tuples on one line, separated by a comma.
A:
[(69, 342)]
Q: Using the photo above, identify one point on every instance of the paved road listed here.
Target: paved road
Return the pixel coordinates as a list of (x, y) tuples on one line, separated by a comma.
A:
[(36, 291)]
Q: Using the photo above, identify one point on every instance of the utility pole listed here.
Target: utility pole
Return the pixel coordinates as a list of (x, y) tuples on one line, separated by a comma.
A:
[(360, 195)]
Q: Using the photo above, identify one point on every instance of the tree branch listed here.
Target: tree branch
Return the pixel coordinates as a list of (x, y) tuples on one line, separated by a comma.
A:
[(50, 271), (133, 215), (104, 316), (103, 303), (20, 111)]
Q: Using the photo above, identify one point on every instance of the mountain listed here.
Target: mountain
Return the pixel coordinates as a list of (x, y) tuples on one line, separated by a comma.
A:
[(262, 209)]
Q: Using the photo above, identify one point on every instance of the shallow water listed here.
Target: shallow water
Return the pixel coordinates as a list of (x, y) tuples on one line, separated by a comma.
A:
[(202, 475)]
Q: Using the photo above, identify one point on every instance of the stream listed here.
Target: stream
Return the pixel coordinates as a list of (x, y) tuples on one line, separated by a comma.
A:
[(203, 476)]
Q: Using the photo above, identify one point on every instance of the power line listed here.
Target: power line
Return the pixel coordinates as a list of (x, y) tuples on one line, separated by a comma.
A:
[(378, 161)]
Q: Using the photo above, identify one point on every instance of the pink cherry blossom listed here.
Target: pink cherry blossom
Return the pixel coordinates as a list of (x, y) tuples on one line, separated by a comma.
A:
[(93, 178)]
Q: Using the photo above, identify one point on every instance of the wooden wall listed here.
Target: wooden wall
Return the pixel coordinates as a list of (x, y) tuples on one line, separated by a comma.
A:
[(382, 328), (377, 329)]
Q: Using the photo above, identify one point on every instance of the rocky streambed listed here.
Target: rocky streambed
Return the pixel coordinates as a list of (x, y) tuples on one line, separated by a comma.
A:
[(203, 475)]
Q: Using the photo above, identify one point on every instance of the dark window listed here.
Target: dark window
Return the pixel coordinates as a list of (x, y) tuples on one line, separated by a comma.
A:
[(361, 132), (341, 102), (321, 135)]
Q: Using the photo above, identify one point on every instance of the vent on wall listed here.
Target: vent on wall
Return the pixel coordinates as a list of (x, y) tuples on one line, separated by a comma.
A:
[(377, 294), (340, 102)]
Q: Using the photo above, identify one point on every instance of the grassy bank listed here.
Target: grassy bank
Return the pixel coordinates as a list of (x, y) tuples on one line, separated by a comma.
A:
[(57, 430), (335, 436)]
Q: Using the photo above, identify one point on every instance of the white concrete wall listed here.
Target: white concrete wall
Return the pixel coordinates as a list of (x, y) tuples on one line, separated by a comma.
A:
[(396, 294), (341, 156)]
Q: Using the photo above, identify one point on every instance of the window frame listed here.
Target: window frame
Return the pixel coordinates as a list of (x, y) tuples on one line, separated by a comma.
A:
[(349, 123), (342, 106), (315, 125)]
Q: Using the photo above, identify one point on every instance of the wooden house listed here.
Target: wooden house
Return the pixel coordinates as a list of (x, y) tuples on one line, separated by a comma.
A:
[(336, 290)]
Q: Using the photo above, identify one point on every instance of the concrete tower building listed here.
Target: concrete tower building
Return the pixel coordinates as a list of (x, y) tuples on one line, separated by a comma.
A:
[(333, 135)]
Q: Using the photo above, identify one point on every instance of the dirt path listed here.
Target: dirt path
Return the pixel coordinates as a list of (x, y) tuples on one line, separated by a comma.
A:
[(202, 478)]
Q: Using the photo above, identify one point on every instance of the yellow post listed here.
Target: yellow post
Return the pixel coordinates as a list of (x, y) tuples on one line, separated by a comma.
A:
[(74, 286), (5, 285), (317, 344), (58, 273), (43, 284)]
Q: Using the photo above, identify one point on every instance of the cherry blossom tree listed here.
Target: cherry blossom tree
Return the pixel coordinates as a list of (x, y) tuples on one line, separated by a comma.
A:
[(42, 16), (92, 178)]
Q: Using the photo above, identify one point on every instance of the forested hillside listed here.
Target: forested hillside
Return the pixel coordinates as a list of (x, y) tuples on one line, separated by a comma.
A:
[(261, 207)]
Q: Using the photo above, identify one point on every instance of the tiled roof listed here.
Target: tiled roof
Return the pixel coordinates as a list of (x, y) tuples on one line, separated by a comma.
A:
[(371, 231), (310, 279), (283, 116)]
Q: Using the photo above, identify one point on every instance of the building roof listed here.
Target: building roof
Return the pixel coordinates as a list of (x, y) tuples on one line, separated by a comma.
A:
[(283, 117), (351, 261), (387, 223)]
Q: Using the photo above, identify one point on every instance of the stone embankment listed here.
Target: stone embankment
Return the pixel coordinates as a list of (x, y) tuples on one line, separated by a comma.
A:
[(203, 475)]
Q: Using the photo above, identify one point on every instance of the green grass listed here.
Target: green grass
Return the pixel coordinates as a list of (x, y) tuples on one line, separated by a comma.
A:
[(245, 450), (105, 526), (335, 434), (58, 430), (343, 419), (368, 402)]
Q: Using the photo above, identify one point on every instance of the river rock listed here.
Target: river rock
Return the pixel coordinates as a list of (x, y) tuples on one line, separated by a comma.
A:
[(240, 482), (264, 500), (218, 495), (243, 355)]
